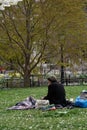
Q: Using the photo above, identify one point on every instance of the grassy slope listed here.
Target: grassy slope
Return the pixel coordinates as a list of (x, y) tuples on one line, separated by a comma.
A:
[(60, 119)]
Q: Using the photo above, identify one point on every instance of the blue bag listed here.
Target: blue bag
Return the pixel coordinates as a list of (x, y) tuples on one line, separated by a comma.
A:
[(80, 102)]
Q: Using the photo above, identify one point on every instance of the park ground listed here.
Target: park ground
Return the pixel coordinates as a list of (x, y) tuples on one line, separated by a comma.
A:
[(59, 119)]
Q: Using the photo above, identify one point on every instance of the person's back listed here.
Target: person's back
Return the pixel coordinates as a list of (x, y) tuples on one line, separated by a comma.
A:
[(56, 92)]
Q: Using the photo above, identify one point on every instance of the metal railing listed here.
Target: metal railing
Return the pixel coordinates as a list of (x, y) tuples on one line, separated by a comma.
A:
[(39, 81)]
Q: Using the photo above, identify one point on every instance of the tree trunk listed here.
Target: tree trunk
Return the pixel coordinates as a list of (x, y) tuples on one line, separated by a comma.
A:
[(27, 81), (62, 74), (62, 66)]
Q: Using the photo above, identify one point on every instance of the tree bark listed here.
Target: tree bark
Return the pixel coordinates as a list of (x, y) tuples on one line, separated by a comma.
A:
[(62, 66), (27, 81)]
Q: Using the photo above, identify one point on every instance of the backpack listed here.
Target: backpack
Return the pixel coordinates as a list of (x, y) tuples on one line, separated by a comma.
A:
[(81, 101)]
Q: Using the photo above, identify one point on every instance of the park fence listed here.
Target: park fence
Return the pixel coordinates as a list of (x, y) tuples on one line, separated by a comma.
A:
[(39, 80)]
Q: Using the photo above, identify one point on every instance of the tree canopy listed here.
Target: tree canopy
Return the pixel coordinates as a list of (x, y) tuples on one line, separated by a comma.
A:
[(33, 32)]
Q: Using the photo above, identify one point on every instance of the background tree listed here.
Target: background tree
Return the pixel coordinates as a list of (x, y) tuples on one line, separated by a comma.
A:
[(68, 33), (19, 24), (46, 29), (25, 34)]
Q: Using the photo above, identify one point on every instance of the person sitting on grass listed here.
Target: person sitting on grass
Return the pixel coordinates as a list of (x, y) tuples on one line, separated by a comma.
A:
[(56, 92)]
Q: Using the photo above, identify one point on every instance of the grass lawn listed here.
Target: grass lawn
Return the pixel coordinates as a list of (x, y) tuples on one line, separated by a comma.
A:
[(60, 119)]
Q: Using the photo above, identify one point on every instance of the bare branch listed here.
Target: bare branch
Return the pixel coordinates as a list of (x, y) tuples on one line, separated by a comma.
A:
[(15, 27)]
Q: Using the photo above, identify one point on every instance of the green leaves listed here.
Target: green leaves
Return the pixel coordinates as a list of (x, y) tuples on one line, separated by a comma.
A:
[(34, 32)]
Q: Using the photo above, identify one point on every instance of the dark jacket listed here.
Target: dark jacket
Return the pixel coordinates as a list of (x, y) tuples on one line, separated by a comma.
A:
[(56, 94)]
